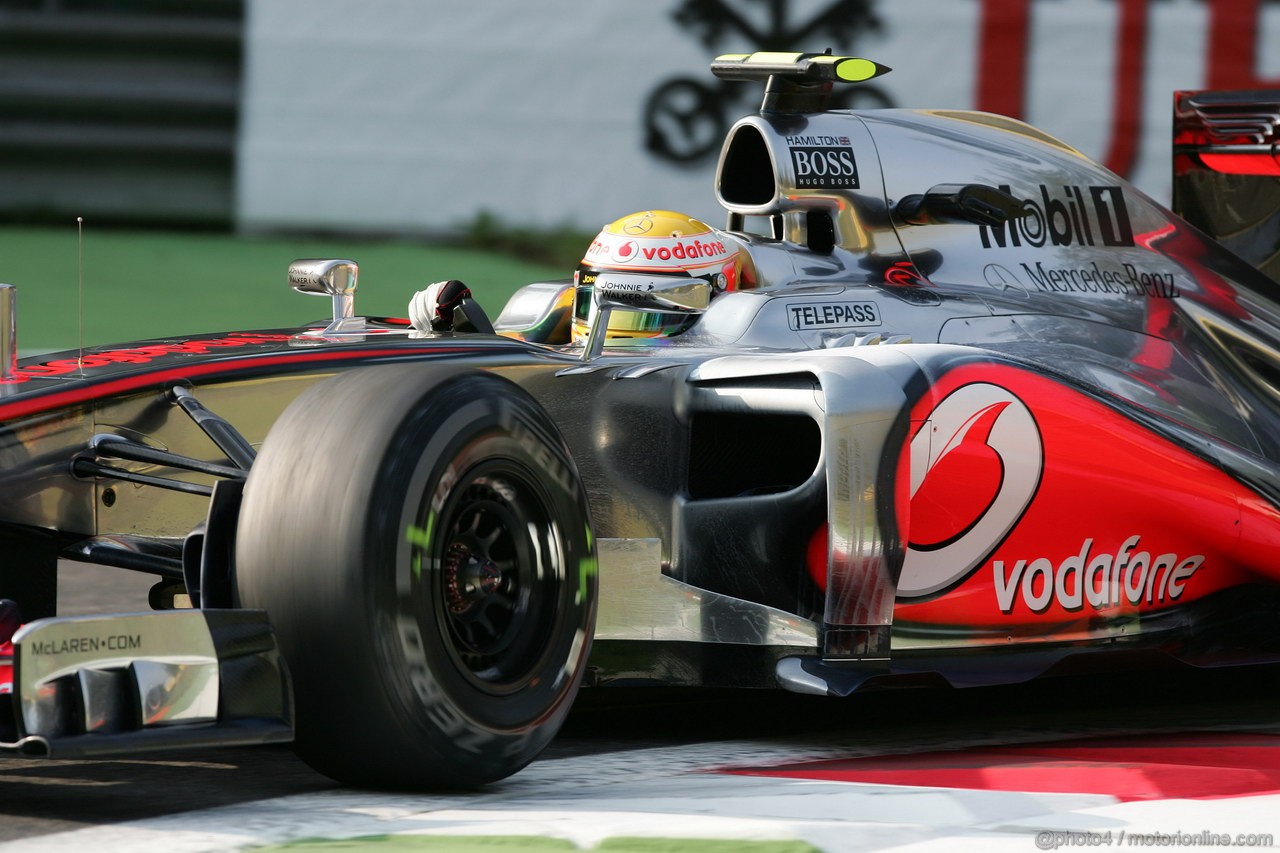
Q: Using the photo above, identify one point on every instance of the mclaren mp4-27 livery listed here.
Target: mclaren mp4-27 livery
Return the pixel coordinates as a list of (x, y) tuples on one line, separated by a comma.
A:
[(960, 407)]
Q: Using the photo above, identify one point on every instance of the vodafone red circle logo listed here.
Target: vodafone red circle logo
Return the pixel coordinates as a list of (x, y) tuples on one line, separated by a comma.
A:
[(975, 466), (626, 251)]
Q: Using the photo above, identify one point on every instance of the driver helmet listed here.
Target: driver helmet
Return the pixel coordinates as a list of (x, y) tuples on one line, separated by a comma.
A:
[(655, 241)]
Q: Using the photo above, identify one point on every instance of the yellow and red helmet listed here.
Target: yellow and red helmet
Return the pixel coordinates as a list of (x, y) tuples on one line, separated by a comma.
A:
[(656, 241)]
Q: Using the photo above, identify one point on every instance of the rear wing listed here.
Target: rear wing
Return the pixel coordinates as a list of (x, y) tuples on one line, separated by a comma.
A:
[(1226, 170)]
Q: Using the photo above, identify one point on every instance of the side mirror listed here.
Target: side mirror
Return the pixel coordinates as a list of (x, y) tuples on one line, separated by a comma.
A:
[(325, 277), (335, 278), (976, 204), (8, 331), (665, 294)]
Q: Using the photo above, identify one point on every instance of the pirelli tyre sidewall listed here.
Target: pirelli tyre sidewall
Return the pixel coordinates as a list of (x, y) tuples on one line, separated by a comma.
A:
[(494, 583), (435, 599)]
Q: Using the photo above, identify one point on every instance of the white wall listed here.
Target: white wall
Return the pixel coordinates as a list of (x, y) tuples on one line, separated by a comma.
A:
[(413, 115)]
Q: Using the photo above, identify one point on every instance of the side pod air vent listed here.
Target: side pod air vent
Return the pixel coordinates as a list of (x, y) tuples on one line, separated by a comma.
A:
[(732, 455), (746, 174)]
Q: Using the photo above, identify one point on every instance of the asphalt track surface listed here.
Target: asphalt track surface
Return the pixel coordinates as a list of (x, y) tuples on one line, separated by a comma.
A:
[(42, 797)]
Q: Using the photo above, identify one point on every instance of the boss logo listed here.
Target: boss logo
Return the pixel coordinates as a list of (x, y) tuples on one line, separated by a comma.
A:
[(824, 167)]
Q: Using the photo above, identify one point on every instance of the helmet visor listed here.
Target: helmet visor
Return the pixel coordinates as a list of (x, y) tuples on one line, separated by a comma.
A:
[(624, 323)]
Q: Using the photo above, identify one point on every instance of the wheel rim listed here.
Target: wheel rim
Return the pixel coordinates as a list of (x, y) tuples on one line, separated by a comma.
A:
[(499, 566)]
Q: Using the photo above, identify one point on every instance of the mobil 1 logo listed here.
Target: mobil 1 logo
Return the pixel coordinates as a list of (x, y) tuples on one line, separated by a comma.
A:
[(823, 162)]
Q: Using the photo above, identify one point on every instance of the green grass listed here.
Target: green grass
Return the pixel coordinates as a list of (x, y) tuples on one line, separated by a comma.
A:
[(156, 284)]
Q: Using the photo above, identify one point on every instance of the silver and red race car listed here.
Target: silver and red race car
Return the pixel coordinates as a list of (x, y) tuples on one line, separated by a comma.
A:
[(945, 403)]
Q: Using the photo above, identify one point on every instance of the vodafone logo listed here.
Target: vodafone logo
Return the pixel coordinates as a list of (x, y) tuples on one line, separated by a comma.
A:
[(625, 252), (975, 466), (690, 250), (679, 253), (617, 251)]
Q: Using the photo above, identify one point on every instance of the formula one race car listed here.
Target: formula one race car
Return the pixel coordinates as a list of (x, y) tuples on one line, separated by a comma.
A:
[(946, 403)]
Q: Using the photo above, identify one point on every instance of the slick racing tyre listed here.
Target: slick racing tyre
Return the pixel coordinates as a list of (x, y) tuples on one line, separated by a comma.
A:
[(420, 541)]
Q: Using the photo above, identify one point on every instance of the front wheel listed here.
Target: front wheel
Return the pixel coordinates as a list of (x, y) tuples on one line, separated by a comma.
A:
[(420, 540)]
